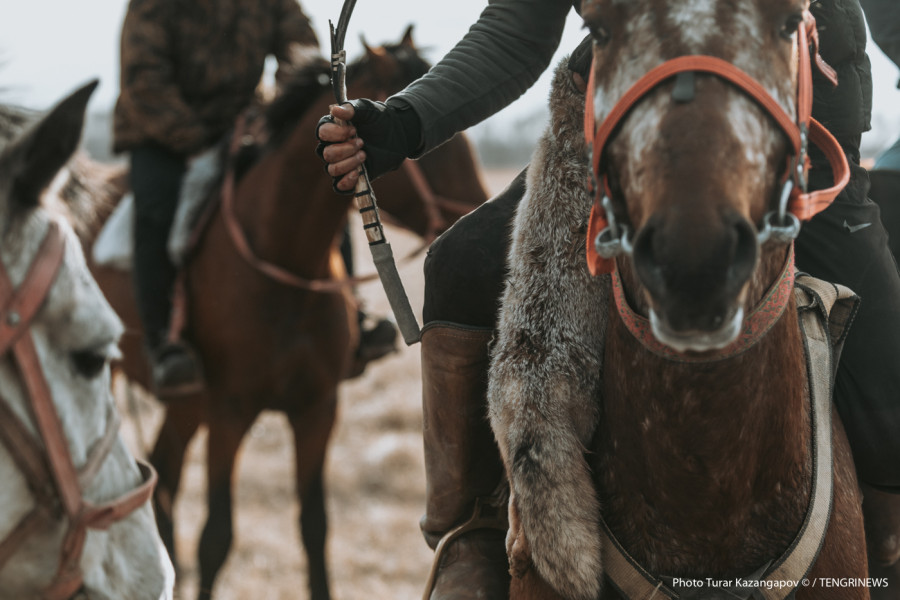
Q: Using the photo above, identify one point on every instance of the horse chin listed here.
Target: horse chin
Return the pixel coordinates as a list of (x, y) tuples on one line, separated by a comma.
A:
[(696, 340)]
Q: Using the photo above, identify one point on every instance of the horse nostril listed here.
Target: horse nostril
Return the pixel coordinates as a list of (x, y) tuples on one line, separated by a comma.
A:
[(649, 268), (744, 257)]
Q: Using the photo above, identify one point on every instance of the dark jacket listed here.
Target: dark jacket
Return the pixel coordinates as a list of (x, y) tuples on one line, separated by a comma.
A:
[(884, 24), (189, 67), (844, 110), (513, 42)]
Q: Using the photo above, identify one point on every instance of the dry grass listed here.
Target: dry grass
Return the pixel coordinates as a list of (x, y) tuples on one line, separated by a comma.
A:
[(375, 484)]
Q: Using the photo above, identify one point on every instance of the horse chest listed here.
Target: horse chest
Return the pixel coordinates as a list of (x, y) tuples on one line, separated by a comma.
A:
[(701, 466)]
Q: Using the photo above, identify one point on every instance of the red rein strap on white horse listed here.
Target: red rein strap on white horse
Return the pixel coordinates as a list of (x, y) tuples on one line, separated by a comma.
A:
[(801, 204)]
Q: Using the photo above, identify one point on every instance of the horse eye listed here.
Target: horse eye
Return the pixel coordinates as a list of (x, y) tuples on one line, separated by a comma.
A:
[(791, 25), (599, 34), (90, 363)]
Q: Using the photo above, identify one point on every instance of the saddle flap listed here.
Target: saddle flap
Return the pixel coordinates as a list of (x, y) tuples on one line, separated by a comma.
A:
[(836, 303)]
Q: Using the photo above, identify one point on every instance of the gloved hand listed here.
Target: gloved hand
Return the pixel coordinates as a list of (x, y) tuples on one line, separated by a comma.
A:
[(388, 133)]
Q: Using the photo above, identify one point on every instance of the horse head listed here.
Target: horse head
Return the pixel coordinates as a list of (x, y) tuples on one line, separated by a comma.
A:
[(694, 155), (66, 471)]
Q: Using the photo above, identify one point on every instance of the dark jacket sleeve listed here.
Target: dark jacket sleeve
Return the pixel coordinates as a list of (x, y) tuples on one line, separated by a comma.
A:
[(883, 17), (501, 56)]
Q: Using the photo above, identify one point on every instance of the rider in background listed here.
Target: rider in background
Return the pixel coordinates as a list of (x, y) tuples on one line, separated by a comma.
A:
[(188, 69), (500, 57)]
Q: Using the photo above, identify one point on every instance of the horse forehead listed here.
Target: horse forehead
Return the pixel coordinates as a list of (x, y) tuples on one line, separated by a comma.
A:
[(75, 312), (77, 302), (695, 20), (664, 29)]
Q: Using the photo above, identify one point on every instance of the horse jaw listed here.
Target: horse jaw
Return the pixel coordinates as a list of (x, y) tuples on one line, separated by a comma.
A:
[(695, 340)]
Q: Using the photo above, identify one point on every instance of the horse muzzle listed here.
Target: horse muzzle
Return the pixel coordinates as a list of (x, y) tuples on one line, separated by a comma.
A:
[(696, 283), (697, 340)]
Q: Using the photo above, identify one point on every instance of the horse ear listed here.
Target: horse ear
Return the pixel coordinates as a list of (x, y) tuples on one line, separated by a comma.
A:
[(372, 53), (380, 61), (36, 156), (408, 38)]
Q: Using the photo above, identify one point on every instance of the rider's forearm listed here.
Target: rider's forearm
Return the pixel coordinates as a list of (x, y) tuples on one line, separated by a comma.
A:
[(501, 56)]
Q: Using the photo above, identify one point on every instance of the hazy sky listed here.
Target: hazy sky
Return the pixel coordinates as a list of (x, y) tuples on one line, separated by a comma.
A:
[(48, 47)]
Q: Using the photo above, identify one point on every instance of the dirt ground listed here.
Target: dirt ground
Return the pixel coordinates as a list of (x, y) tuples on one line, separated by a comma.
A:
[(375, 487)]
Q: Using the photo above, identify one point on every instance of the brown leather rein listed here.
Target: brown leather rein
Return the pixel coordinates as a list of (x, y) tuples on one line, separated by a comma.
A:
[(431, 201), (46, 464)]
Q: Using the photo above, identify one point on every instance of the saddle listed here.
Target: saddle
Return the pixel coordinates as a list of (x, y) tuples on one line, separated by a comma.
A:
[(114, 246)]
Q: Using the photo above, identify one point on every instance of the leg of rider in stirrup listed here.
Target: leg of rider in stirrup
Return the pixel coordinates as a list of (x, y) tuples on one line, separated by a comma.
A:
[(847, 244), (881, 507), (156, 175), (465, 515)]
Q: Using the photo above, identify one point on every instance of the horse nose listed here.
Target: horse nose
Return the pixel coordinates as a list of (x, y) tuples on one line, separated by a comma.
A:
[(700, 268), (744, 260)]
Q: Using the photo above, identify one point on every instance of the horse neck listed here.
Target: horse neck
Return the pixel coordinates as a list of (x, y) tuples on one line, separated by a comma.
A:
[(286, 204), (691, 450)]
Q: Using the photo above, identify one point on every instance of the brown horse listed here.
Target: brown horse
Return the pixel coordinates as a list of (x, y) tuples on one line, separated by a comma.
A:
[(268, 345), (690, 465)]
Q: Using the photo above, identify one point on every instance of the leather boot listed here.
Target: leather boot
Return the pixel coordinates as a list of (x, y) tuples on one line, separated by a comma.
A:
[(465, 515), (881, 514)]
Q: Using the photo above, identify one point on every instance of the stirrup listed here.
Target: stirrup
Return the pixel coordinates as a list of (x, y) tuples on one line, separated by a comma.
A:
[(489, 513)]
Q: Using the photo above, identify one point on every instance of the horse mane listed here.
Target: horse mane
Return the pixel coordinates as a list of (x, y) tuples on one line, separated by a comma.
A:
[(311, 77), (88, 193)]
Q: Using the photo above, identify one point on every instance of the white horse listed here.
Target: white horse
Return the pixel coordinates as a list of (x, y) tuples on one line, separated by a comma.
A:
[(77, 524)]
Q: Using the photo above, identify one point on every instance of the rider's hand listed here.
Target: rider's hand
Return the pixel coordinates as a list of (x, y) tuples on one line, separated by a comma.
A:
[(388, 134)]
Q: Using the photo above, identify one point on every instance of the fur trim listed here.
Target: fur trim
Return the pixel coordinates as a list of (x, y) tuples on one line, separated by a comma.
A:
[(545, 376)]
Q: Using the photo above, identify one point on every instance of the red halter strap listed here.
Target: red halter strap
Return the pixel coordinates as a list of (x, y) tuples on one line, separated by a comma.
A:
[(802, 204)]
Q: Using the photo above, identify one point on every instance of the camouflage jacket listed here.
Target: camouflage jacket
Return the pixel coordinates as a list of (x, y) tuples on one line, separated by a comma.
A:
[(189, 67)]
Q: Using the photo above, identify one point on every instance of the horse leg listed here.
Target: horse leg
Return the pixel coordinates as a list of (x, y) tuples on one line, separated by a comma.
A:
[(179, 426), (226, 431), (312, 429)]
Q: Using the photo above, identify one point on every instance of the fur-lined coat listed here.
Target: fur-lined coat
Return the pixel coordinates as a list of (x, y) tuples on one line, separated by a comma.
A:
[(545, 377)]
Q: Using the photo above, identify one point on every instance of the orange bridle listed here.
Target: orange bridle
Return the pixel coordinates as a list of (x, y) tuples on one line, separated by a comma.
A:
[(606, 239)]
